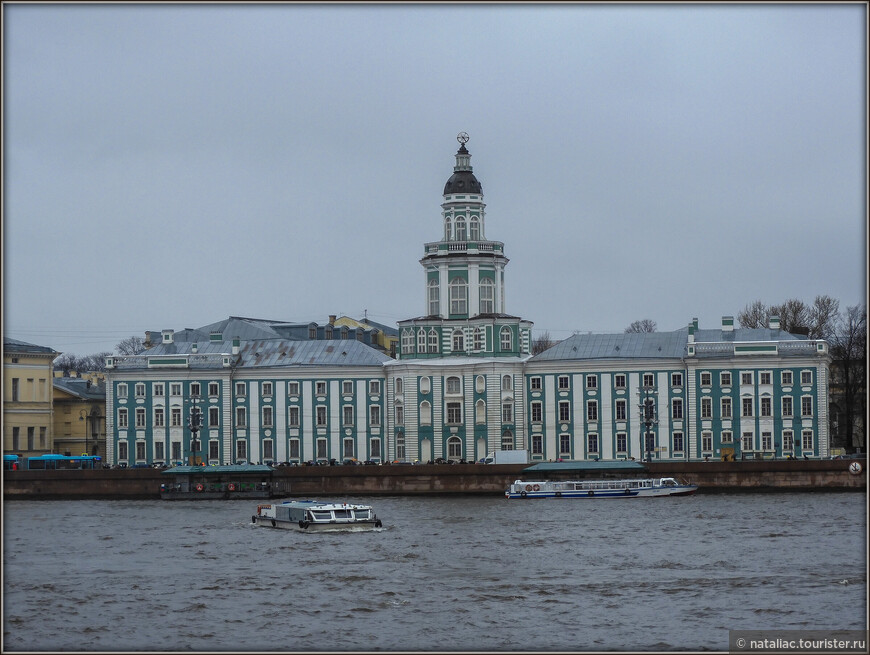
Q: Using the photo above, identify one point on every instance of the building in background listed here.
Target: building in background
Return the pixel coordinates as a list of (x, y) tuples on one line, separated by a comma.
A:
[(383, 337), (27, 397), (80, 414), (465, 382)]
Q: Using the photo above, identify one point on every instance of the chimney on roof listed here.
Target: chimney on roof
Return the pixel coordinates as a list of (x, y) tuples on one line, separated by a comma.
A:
[(332, 319), (728, 324), (236, 345), (167, 336), (194, 347), (691, 333), (774, 322)]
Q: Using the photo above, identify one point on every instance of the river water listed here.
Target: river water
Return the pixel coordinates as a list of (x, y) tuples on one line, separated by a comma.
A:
[(444, 573)]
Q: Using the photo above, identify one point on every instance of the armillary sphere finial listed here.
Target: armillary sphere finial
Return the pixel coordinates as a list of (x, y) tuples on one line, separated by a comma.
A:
[(462, 137)]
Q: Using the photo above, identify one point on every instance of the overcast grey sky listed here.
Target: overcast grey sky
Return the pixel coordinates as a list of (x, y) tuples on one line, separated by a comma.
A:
[(168, 166)]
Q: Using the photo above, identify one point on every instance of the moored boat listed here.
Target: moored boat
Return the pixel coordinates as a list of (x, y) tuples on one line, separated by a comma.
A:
[(316, 516), (614, 488)]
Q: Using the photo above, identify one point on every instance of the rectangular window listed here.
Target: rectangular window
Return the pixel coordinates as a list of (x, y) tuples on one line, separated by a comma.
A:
[(707, 442), (140, 390), (140, 417), (175, 417), (375, 446), (42, 432), (295, 452), (240, 388), (747, 407), (321, 415), (787, 379), (453, 385), (122, 418), (158, 417), (454, 413), (787, 406), (347, 415), (725, 378), (620, 410), (706, 407), (213, 416), (621, 442), (725, 404), (507, 413), (267, 388), (194, 389), (292, 388), (241, 417), (619, 381), (214, 449), (241, 450), (15, 397), (564, 411), (806, 406), (677, 408), (537, 444), (591, 410), (122, 451), (727, 437), (16, 435), (321, 449), (140, 450), (268, 449), (535, 384), (766, 441), (807, 440), (678, 442), (158, 388), (563, 381), (537, 412), (747, 441), (122, 390), (706, 379), (213, 389), (293, 417), (320, 388), (348, 449), (267, 416), (746, 378), (592, 443), (766, 406), (788, 440), (374, 387), (176, 451), (400, 415), (676, 379), (806, 377), (347, 387), (764, 377), (158, 451), (375, 415), (648, 380)]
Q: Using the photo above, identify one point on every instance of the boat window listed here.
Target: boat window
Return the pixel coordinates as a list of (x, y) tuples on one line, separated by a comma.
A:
[(342, 513), (320, 515), (362, 514)]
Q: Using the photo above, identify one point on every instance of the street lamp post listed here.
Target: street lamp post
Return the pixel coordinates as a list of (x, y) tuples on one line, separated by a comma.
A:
[(84, 416), (194, 422), (647, 405)]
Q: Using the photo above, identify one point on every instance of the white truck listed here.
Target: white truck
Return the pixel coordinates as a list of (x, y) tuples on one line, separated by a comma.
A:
[(507, 457)]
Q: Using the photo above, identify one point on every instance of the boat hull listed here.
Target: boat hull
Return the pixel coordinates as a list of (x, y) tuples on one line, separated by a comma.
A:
[(356, 526), (606, 493), (608, 488)]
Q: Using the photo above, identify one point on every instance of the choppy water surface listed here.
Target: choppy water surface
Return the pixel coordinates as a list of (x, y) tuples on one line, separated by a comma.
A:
[(466, 573)]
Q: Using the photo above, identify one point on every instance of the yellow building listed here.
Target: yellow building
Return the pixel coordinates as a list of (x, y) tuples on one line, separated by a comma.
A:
[(384, 337), (27, 398), (80, 414)]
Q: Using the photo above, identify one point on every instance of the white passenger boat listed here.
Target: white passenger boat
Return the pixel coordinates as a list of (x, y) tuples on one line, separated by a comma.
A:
[(599, 488), (316, 516)]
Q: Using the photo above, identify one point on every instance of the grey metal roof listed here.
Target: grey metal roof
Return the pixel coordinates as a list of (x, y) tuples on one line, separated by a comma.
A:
[(746, 334), (80, 388), (649, 345), (264, 353), (14, 345)]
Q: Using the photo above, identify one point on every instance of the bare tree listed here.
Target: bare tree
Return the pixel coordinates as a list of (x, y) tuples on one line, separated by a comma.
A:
[(646, 325), (817, 321), (824, 316), (754, 315), (542, 343), (95, 362), (65, 363), (794, 316), (849, 372), (130, 346)]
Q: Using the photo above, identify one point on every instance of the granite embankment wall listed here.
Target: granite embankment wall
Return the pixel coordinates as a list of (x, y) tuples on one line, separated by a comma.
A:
[(795, 475)]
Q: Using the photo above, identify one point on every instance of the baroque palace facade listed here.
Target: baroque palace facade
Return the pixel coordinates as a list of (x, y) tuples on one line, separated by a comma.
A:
[(465, 383)]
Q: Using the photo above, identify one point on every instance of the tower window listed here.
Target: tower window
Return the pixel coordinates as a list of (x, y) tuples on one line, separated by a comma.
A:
[(486, 296), (458, 296)]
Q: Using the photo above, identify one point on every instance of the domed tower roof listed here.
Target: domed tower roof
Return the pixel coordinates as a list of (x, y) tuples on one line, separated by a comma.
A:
[(462, 180)]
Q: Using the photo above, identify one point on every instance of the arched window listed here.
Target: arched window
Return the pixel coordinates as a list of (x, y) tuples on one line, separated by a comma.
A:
[(447, 227), (433, 340), (434, 298), (480, 412), (506, 339), (421, 341), (486, 296), (453, 385), (425, 385), (478, 339), (407, 341), (400, 446), (425, 413), (507, 440), (506, 383), (458, 296), (458, 341), (400, 386), (474, 229), (460, 229), (454, 448)]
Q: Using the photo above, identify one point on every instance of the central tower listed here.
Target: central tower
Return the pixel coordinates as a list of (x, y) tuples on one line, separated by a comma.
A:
[(464, 282)]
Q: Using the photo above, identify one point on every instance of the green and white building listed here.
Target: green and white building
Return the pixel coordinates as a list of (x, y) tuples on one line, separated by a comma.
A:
[(465, 382)]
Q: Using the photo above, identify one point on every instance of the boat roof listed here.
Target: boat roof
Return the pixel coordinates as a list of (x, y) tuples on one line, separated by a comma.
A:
[(215, 470), (624, 465), (319, 504)]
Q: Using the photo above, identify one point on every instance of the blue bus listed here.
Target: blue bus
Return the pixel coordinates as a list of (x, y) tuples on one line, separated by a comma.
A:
[(53, 462), (11, 462)]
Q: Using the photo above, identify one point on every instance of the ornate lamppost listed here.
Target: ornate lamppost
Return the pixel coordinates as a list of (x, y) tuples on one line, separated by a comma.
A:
[(647, 405), (194, 423)]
